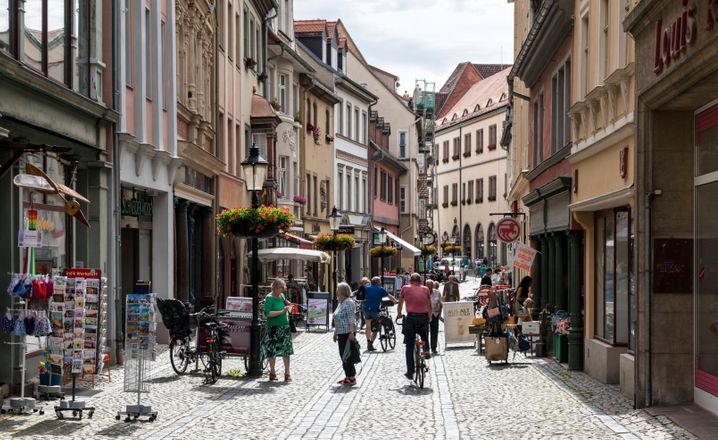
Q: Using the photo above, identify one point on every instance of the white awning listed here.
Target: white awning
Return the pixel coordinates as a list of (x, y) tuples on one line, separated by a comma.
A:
[(414, 250), (285, 253)]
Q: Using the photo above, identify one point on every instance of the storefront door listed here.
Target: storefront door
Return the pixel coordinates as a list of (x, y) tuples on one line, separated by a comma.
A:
[(706, 257)]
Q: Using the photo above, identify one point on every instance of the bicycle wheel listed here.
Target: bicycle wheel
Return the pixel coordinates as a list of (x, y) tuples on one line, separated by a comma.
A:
[(178, 355), (209, 361), (418, 368), (391, 333), (383, 337)]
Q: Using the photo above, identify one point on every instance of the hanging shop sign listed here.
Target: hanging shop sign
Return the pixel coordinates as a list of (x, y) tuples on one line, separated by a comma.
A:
[(29, 239), (508, 230), (137, 206), (523, 257)]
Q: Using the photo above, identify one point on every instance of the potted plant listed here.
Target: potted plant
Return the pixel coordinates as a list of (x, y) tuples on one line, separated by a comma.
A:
[(450, 247), (561, 340), (310, 127), (334, 242), (328, 139), (300, 199), (280, 194), (427, 250), (382, 251), (316, 134), (262, 222), (249, 62)]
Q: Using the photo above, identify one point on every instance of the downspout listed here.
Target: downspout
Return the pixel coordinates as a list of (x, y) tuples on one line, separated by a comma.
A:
[(265, 43), (218, 144), (647, 261), (368, 199), (115, 245)]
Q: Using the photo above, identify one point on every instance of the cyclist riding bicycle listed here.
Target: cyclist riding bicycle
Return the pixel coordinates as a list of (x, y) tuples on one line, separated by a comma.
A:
[(418, 310), (373, 295)]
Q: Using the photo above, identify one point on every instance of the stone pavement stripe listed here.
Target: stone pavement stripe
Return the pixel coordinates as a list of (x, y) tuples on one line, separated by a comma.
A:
[(607, 420), (443, 394)]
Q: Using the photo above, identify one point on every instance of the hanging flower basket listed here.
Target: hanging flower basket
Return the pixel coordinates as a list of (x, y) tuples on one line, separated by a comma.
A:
[(300, 199), (382, 251), (262, 222), (334, 242), (427, 250), (449, 248)]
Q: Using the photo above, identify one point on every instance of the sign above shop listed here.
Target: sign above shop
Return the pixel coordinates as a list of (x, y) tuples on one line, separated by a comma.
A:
[(508, 229), (523, 257), (673, 40), (137, 206)]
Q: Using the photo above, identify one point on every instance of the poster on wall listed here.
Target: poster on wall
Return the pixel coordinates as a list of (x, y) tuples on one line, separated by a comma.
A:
[(241, 304), (457, 319)]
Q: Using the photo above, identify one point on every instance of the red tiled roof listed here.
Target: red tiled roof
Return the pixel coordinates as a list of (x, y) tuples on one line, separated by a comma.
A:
[(331, 25), (486, 70), (309, 26)]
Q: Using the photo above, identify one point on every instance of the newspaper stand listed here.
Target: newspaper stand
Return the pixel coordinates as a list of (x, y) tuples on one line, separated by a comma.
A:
[(140, 345)]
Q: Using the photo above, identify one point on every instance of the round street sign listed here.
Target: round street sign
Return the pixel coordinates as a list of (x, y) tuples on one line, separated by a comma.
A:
[(508, 229)]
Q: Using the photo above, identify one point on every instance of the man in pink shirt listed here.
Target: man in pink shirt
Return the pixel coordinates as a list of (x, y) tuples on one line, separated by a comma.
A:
[(418, 313)]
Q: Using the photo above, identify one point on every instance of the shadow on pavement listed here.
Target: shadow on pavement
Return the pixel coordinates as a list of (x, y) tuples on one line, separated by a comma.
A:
[(122, 429), (164, 379), (509, 365), (413, 390), (343, 389), (51, 427)]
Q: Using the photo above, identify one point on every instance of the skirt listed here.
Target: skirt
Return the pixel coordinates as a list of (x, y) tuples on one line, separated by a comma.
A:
[(277, 342)]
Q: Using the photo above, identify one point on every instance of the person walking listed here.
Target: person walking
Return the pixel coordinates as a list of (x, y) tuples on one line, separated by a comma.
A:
[(344, 331), (436, 307), (418, 309), (486, 279), (277, 337), (452, 292)]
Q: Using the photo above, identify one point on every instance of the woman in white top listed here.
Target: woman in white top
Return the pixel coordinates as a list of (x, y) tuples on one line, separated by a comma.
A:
[(435, 314)]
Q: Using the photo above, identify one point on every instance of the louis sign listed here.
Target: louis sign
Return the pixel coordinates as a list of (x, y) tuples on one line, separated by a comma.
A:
[(508, 229)]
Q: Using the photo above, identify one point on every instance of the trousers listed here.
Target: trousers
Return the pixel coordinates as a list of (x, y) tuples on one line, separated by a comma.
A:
[(434, 331), (349, 370), (414, 323)]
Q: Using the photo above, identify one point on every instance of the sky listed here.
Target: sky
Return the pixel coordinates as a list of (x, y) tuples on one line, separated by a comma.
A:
[(421, 39)]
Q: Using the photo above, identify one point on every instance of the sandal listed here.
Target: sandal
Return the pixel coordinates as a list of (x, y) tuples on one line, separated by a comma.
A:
[(287, 377), (272, 376), (343, 380), (348, 381)]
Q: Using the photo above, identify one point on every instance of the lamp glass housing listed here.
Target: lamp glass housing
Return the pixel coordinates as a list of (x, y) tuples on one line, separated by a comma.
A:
[(255, 170)]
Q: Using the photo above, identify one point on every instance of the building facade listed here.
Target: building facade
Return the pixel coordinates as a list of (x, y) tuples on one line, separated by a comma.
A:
[(675, 222), (471, 180)]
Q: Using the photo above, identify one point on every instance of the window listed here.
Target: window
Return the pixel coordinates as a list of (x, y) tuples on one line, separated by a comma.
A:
[(492, 245), (258, 47), (247, 44), (356, 124), (324, 195), (479, 242), (390, 190), (363, 128), (560, 99), (283, 93), (402, 144), (326, 123), (467, 145), (604, 39), (363, 191), (315, 115), (446, 152), (382, 189), (129, 41), (492, 137), (613, 268), (622, 38), (454, 194), (479, 141), (309, 111), (295, 178), (357, 195), (316, 195), (470, 195), (538, 118), (282, 177), (446, 196), (340, 126), (230, 19), (463, 193), (375, 182), (237, 38), (402, 199), (492, 188), (340, 179), (308, 194), (585, 41), (149, 83), (480, 190), (295, 98), (162, 68), (349, 191), (457, 148), (348, 133)]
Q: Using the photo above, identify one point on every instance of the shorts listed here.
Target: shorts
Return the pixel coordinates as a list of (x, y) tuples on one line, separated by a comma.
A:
[(370, 314)]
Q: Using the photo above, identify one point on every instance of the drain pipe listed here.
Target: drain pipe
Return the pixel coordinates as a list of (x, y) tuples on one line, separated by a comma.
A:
[(648, 266), (115, 244)]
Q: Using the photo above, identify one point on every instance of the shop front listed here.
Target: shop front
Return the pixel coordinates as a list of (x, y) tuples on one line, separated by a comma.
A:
[(677, 171)]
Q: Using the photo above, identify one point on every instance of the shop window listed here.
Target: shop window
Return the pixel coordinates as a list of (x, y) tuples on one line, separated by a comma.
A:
[(613, 267), (706, 286)]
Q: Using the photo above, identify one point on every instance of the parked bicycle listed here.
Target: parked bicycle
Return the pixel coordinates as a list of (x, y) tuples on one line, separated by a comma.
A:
[(359, 315), (180, 324), (383, 326)]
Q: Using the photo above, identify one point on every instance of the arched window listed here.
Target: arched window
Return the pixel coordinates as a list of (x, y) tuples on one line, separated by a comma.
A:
[(467, 241), (479, 245), (492, 245), (455, 234)]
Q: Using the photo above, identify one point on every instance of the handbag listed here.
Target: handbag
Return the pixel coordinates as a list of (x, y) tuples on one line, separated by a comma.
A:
[(292, 326), (494, 312), (352, 352)]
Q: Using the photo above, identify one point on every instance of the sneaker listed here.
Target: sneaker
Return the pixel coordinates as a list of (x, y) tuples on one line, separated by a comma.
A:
[(434, 352), (370, 346), (409, 376)]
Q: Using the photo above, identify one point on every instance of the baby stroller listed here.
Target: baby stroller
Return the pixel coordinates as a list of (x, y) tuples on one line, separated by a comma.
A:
[(175, 316)]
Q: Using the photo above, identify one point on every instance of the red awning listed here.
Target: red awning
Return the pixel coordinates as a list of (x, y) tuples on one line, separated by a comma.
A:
[(303, 243)]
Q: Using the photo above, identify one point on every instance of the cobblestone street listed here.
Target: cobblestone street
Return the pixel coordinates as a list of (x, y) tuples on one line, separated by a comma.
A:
[(463, 398)]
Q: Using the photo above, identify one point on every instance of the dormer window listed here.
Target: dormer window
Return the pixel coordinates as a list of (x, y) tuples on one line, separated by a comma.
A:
[(477, 108), (503, 97), (454, 117), (444, 121), (490, 103), (466, 112)]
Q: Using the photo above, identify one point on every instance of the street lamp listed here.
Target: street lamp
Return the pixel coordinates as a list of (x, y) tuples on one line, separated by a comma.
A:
[(334, 219), (255, 172), (454, 241), (382, 240)]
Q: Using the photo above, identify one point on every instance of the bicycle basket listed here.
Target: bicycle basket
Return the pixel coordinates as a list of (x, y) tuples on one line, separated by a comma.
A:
[(174, 315)]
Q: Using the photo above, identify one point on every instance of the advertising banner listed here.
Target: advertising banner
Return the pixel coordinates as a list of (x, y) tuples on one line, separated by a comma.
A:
[(317, 311), (457, 319), (524, 257)]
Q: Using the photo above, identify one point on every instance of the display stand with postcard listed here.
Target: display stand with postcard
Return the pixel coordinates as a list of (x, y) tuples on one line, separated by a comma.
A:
[(318, 310)]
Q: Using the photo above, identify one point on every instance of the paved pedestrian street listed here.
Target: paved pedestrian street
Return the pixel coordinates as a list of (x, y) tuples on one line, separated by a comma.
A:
[(463, 398)]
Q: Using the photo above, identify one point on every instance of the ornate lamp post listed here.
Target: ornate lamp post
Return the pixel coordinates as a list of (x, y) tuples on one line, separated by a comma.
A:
[(334, 219), (454, 242), (382, 239), (427, 239), (255, 171)]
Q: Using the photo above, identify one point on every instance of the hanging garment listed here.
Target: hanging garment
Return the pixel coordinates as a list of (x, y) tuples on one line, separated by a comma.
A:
[(49, 287), (43, 327), (8, 322), (29, 325), (39, 291), (14, 280), (23, 288), (20, 328)]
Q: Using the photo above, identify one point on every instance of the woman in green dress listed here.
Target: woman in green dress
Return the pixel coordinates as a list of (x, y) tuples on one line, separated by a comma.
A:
[(277, 336)]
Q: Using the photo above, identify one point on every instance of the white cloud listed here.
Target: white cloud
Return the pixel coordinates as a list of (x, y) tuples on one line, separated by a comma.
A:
[(421, 39)]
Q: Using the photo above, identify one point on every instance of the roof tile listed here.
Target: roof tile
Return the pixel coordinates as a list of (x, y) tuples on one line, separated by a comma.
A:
[(309, 26)]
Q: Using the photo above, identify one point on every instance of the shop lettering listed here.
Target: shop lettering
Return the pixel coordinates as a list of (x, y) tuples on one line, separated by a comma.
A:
[(137, 208), (673, 40), (460, 312)]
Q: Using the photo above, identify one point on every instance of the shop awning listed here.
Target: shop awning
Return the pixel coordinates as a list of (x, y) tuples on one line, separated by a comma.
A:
[(275, 254), (296, 238), (413, 249)]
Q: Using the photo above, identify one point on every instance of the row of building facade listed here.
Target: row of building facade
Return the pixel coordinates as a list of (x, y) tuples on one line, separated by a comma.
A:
[(149, 108), (608, 131)]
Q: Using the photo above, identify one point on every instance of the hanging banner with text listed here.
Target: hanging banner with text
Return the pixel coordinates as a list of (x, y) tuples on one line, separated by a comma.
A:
[(457, 319), (524, 257)]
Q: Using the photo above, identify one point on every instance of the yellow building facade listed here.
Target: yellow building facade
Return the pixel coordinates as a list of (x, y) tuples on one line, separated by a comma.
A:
[(603, 189)]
